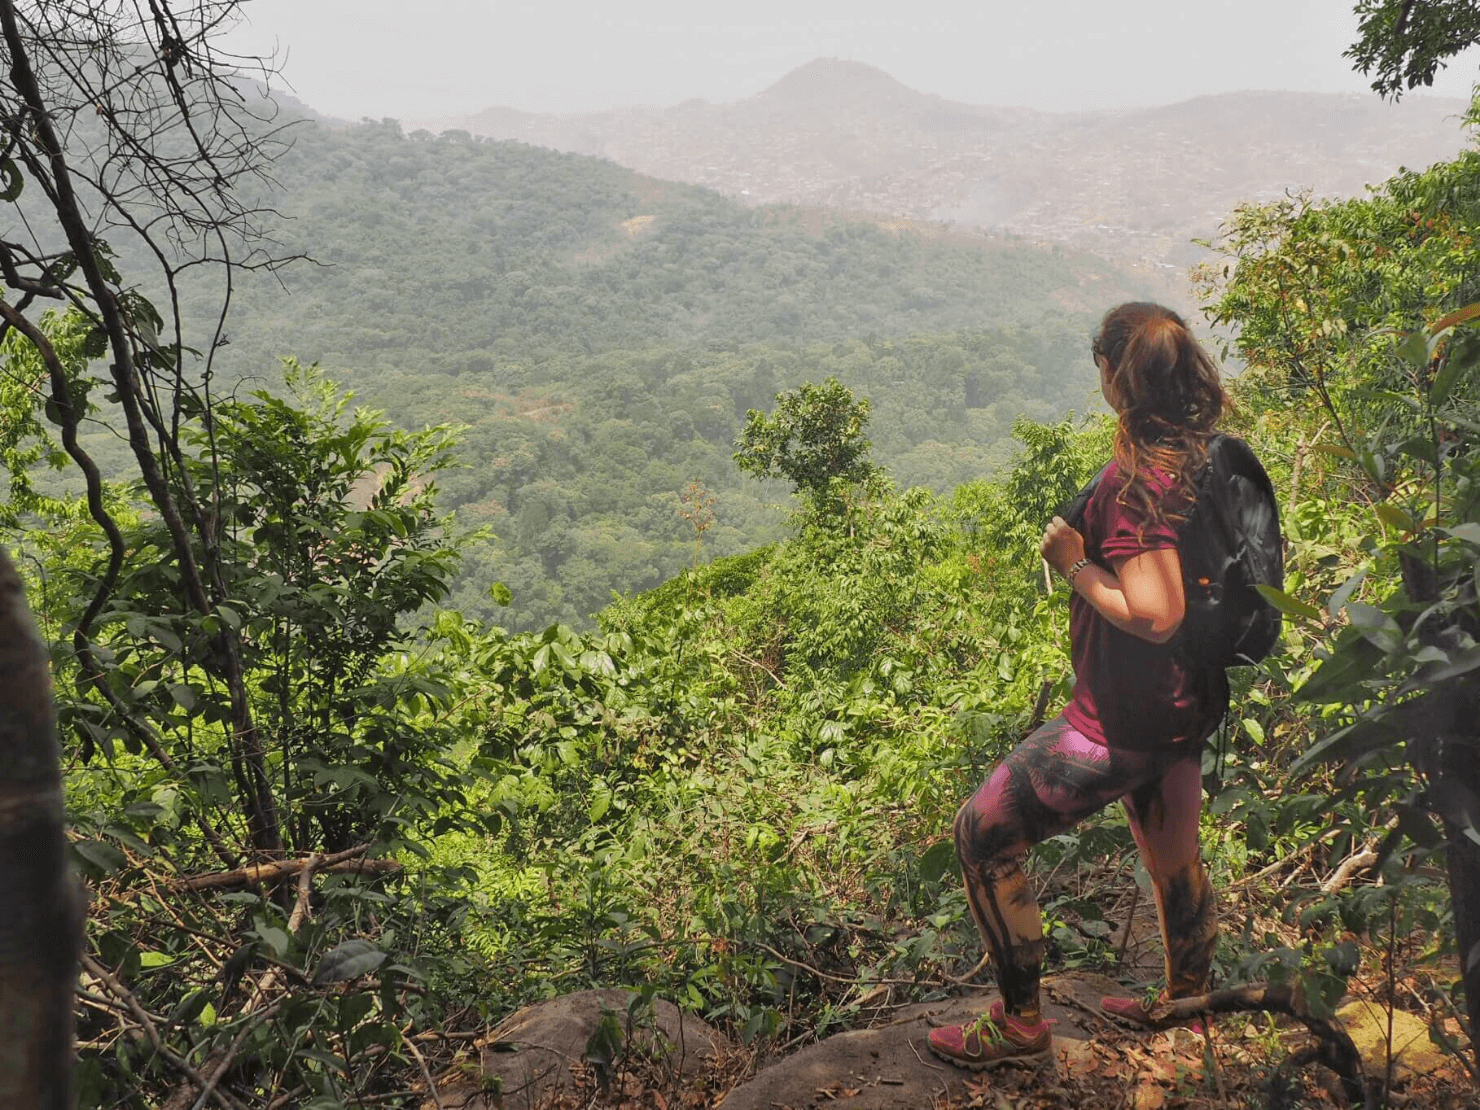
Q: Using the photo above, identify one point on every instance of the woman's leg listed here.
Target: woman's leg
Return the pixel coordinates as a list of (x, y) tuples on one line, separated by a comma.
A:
[(1048, 784), (1164, 817)]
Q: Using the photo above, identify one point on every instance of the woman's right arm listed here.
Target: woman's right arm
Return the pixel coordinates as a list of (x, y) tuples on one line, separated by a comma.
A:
[(1142, 597)]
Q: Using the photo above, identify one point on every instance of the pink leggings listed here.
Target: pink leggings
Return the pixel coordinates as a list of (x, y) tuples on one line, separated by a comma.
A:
[(1048, 784)]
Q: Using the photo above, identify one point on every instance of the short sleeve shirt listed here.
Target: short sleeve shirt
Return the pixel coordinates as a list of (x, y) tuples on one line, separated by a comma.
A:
[(1128, 692)]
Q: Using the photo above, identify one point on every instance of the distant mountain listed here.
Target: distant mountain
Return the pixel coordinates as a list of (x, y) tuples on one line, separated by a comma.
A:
[(1133, 185)]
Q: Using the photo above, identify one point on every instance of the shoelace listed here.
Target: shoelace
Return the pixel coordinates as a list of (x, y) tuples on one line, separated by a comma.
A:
[(987, 1029)]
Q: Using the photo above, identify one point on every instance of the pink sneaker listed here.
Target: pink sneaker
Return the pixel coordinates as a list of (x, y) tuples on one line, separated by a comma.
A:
[(1138, 1011), (991, 1039)]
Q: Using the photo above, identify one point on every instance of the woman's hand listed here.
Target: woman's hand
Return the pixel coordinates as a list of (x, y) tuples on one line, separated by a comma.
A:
[(1062, 545)]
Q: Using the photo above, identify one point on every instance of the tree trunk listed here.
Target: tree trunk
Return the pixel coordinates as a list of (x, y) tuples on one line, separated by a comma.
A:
[(1445, 727), (40, 930), (1461, 764)]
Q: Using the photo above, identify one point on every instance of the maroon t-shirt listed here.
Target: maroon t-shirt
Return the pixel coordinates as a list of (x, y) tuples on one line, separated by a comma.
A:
[(1129, 692)]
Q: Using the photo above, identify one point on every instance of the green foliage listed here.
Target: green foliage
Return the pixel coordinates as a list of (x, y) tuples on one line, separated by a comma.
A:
[(332, 546), (540, 255), (813, 438), (603, 336), (582, 477), (1349, 311), (1404, 42)]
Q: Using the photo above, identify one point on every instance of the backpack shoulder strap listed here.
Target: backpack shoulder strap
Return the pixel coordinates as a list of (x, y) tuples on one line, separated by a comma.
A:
[(1073, 510)]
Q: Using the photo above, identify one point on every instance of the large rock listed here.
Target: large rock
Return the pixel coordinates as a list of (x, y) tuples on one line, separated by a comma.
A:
[(528, 1057), (1366, 1023), (890, 1067)]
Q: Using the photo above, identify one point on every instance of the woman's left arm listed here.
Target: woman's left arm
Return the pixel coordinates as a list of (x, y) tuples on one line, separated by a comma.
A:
[(1144, 594)]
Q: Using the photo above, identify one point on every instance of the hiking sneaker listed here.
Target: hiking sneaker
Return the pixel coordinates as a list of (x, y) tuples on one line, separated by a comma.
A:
[(991, 1039), (1139, 1011)]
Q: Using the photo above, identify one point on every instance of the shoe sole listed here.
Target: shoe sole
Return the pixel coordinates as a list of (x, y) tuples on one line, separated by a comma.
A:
[(1037, 1058)]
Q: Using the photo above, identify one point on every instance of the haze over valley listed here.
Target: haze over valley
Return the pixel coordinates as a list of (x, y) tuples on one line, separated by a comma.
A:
[(1134, 185)]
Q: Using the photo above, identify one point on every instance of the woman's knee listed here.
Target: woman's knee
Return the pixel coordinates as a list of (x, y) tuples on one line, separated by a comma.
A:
[(984, 836)]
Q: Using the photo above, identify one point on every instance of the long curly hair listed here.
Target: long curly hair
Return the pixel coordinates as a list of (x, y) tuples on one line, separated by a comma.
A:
[(1168, 397)]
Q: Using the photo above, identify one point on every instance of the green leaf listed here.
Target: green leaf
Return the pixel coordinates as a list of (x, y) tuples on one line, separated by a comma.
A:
[(277, 939), (1456, 365), (605, 1043), (1375, 626), (1344, 592), (1468, 532), (938, 861), (1337, 679), (599, 805), (1463, 663), (501, 594), (1414, 349), (1288, 605), (191, 1007), (1355, 739), (14, 182), (102, 857), (348, 960), (1254, 729), (1393, 516)]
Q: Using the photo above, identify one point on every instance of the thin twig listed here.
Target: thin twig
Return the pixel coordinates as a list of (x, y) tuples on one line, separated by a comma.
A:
[(126, 996), (969, 979), (229, 1056), (426, 1072)]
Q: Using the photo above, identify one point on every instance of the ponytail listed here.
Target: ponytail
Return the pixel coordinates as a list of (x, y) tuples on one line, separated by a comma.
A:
[(1170, 399)]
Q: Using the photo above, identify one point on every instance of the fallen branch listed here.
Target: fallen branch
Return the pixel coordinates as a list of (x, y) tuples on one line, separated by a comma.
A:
[(311, 867), (1333, 1047), (426, 1073), (255, 874), (1354, 865)]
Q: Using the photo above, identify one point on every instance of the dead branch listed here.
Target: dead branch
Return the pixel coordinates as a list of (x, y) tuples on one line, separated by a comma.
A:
[(295, 922), (1333, 1047), (1354, 865), (426, 1073), (267, 873), (218, 1064), (151, 1030)]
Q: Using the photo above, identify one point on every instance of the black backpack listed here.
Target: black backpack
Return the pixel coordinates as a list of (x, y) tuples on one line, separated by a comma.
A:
[(1229, 543)]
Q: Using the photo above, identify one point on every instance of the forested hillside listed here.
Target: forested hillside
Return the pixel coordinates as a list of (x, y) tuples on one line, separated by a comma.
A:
[(459, 253), (578, 464), (602, 335)]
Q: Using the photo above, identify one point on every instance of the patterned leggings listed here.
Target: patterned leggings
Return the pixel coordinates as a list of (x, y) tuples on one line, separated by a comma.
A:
[(1048, 784)]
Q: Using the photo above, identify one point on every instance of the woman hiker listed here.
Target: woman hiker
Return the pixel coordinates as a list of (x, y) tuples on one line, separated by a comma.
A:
[(1135, 725)]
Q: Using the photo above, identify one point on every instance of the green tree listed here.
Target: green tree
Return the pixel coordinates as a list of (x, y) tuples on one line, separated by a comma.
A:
[(812, 438)]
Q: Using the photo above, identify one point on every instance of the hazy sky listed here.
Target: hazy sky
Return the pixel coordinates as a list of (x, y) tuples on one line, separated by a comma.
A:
[(354, 58)]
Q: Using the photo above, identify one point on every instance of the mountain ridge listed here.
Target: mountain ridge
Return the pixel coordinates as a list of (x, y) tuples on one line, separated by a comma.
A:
[(1136, 185)]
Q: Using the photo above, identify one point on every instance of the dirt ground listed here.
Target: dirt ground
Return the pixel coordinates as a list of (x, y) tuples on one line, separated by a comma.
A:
[(538, 1060)]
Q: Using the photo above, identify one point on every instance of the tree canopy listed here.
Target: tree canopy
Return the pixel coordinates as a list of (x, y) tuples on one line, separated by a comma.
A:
[(1404, 43)]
